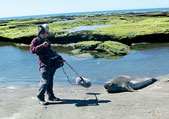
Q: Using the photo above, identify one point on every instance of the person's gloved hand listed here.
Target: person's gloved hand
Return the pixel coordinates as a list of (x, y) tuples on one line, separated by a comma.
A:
[(45, 44)]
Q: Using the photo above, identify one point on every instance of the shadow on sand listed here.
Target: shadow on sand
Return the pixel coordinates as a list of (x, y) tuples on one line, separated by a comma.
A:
[(80, 103)]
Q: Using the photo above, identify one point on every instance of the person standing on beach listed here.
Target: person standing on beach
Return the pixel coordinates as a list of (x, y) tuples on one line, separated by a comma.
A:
[(49, 61)]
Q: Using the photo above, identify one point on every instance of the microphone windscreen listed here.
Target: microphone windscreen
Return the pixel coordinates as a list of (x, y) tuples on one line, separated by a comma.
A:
[(83, 82)]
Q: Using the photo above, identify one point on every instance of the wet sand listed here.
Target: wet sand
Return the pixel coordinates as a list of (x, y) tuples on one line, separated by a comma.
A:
[(77, 102)]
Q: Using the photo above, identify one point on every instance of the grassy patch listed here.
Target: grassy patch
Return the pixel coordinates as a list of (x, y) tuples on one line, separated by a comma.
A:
[(87, 45), (137, 27), (122, 26), (110, 48), (113, 48)]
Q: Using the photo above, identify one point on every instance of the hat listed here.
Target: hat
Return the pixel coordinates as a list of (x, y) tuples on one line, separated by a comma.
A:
[(46, 28)]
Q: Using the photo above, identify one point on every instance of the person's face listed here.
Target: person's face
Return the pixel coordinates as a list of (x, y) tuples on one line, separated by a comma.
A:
[(45, 35)]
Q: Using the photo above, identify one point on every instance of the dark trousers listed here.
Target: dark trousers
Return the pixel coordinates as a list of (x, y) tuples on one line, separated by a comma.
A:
[(46, 83)]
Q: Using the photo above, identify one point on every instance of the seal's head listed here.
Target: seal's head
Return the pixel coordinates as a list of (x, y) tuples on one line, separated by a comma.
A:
[(112, 87), (83, 82)]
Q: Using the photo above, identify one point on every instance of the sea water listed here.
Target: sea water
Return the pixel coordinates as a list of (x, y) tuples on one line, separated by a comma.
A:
[(19, 66), (86, 13)]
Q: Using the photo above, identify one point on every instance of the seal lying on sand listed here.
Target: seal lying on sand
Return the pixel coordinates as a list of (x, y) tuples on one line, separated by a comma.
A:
[(127, 83)]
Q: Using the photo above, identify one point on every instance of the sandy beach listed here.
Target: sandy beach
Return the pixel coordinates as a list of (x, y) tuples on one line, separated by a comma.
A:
[(152, 102)]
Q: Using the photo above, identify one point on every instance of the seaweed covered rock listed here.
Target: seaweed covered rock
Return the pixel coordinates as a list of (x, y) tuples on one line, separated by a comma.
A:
[(87, 45), (107, 49), (113, 48)]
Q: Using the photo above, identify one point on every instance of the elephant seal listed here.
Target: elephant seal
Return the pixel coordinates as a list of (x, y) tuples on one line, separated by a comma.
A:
[(127, 83)]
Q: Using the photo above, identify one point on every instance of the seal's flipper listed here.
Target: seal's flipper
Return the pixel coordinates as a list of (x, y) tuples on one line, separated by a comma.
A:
[(129, 88)]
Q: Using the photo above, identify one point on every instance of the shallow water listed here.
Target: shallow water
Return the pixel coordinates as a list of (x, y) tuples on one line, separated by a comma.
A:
[(81, 28), (19, 66), (64, 21)]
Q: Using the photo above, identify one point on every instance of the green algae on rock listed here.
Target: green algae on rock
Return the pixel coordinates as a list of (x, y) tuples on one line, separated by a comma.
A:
[(113, 48), (87, 45)]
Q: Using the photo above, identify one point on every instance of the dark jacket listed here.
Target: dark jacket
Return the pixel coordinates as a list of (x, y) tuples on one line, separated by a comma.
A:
[(44, 53)]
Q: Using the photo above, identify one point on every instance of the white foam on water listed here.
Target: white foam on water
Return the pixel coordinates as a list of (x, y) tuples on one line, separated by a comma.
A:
[(12, 87)]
